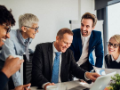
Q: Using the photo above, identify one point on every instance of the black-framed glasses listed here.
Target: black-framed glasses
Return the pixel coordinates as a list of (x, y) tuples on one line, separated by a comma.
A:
[(114, 45), (8, 28), (33, 28)]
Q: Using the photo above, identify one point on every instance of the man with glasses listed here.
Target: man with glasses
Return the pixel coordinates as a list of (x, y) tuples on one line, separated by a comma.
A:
[(53, 62), (11, 64), (19, 42)]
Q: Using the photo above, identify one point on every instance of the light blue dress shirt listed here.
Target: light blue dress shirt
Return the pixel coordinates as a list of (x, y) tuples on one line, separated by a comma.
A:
[(14, 46)]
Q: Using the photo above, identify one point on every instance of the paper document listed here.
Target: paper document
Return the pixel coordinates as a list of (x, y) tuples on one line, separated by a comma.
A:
[(104, 71)]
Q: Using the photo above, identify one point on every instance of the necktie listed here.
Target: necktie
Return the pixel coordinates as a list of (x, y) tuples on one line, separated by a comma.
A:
[(55, 71)]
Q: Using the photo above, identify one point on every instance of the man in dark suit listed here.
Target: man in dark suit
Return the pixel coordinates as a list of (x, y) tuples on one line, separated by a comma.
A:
[(85, 40), (12, 64), (54, 62)]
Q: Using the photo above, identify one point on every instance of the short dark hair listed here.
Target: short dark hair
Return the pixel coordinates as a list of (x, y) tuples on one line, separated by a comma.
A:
[(63, 31), (6, 16), (88, 15)]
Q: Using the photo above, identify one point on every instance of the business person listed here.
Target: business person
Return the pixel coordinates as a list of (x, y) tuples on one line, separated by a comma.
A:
[(53, 62), (85, 40), (11, 64), (19, 42), (112, 59)]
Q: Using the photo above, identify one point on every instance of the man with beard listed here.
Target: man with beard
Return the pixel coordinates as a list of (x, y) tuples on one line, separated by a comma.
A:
[(11, 64), (85, 40)]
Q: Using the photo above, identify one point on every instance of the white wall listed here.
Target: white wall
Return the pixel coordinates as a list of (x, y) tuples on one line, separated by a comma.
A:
[(53, 15), (113, 20)]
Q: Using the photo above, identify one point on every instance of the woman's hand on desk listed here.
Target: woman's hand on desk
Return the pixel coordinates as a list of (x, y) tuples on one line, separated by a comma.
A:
[(48, 84), (92, 76)]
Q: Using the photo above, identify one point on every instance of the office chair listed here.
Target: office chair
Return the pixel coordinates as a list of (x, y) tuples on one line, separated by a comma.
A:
[(27, 68)]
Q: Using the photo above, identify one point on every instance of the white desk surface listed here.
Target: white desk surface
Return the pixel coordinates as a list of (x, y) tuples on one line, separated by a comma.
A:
[(69, 85)]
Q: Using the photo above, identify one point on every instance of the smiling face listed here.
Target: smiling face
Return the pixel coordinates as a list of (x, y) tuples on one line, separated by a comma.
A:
[(30, 32), (113, 50), (62, 44), (3, 34), (86, 27)]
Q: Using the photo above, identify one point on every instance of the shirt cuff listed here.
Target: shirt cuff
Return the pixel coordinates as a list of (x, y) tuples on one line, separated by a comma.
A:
[(86, 77), (16, 79), (44, 84)]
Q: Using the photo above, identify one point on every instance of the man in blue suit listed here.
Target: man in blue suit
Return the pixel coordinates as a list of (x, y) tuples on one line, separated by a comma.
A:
[(85, 40)]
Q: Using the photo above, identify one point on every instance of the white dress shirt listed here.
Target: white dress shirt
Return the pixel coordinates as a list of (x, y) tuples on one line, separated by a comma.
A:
[(118, 59), (85, 46)]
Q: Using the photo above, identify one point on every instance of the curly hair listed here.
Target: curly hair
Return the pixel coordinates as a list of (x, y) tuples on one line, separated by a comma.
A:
[(6, 16)]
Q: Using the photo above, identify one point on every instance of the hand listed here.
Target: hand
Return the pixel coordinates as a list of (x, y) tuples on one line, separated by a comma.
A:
[(11, 66), (23, 87), (92, 76), (48, 85)]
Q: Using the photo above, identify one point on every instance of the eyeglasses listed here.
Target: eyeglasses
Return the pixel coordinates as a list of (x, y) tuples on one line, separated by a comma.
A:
[(33, 28), (8, 28), (114, 45)]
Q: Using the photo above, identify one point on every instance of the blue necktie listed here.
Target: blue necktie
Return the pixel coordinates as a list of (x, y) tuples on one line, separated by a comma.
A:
[(55, 71)]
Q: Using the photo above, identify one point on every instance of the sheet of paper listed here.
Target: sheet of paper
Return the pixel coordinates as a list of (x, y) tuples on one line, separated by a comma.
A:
[(100, 71), (104, 71)]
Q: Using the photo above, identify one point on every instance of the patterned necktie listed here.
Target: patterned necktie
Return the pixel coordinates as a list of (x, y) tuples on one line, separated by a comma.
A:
[(55, 71)]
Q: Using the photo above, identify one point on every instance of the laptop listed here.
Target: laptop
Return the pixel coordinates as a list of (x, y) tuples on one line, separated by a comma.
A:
[(100, 83)]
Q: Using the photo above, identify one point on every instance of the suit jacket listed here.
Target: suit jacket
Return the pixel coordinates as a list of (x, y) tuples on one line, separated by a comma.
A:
[(3, 80), (42, 65), (95, 42)]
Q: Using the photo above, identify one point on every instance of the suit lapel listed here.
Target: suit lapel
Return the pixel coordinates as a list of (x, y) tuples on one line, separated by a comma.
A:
[(50, 55), (91, 42), (63, 63), (80, 43)]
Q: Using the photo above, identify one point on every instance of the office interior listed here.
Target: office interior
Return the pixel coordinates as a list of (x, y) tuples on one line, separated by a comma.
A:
[(56, 14)]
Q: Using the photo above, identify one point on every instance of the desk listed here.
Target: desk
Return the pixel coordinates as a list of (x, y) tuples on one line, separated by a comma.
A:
[(70, 85)]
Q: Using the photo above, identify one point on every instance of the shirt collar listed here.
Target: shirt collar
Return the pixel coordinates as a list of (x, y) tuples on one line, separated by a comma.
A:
[(22, 39), (85, 38), (118, 59), (54, 49)]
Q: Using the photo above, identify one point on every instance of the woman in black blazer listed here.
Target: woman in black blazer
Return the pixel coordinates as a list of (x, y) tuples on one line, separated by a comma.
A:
[(112, 59)]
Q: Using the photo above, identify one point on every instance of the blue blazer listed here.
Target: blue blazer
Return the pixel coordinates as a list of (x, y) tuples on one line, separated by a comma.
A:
[(95, 42)]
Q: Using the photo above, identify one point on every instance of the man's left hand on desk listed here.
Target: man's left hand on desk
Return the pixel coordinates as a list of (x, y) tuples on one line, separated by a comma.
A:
[(92, 76)]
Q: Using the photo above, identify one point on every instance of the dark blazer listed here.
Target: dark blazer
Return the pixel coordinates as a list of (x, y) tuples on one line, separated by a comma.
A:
[(3, 80), (111, 64), (42, 65), (95, 42)]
